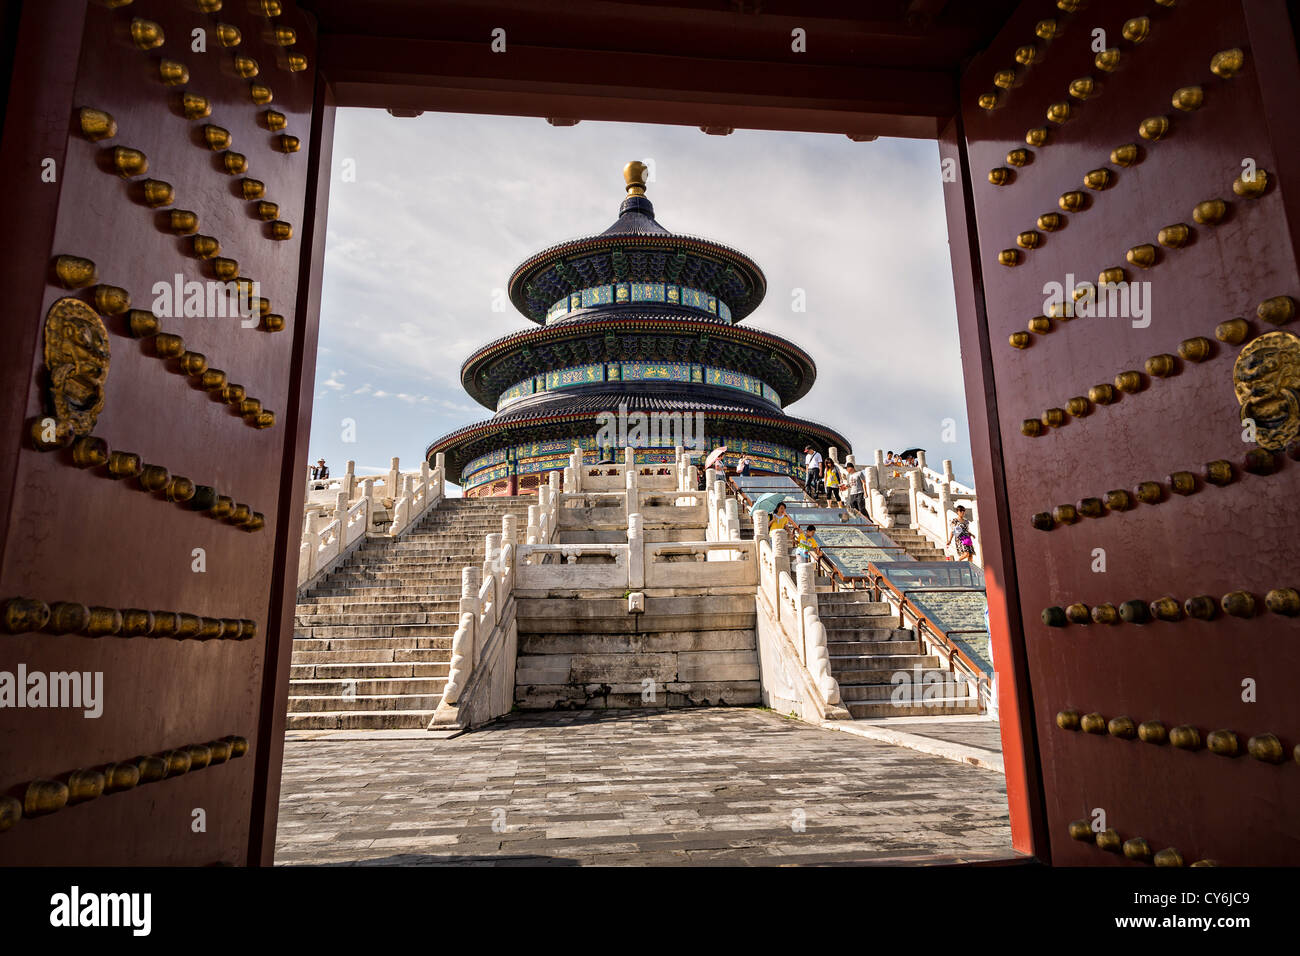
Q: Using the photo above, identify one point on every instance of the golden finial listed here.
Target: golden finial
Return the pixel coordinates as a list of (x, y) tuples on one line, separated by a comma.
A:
[(634, 174)]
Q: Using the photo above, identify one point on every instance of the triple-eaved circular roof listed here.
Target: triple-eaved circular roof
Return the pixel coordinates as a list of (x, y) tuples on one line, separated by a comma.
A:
[(641, 335), (636, 249)]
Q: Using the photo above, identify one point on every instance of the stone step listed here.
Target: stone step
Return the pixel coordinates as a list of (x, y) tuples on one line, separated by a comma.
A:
[(421, 564), (874, 648), (394, 655), (397, 591), (403, 631), (930, 708), (414, 600), (364, 577), (378, 617), (388, 702), (841, 616), (363, 671), (849, 602), (846, 631), (368, 688), (360, 720), (887, 692), (367, 643), (841, 656)]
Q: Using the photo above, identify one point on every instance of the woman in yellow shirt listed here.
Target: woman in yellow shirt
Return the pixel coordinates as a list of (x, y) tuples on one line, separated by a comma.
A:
[(780, 520)]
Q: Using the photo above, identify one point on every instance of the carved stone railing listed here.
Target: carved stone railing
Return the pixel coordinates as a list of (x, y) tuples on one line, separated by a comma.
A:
[(792, 647), (637, 564), (612, 476), (333, 528), (606, 510), (934, 509), (481, 679)]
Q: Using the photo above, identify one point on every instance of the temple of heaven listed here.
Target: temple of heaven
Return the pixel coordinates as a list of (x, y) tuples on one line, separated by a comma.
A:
[(637, 326)]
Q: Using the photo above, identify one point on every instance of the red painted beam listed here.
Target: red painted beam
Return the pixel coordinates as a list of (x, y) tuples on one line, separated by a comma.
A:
[(651, 88)]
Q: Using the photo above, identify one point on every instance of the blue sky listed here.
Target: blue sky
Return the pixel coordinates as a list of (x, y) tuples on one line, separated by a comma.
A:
[(429, 216)]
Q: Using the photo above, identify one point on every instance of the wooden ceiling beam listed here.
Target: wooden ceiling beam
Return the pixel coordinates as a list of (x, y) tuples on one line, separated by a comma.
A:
[(409, 74)]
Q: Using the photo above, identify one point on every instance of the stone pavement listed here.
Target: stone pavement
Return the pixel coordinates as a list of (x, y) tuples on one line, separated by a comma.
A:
[(721, 786), (973, 739)]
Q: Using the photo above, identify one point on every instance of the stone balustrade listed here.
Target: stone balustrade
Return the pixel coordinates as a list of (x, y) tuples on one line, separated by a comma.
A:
[(791, 637), (339, 513), (580, 476), (480, 680)]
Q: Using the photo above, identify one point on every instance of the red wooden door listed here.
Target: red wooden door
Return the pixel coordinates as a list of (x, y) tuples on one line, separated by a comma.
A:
[(148, 548), (1125, 483)]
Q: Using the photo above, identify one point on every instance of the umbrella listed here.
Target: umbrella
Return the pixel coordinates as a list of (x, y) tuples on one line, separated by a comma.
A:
[(714, 456), (769, 501), (908, 453)]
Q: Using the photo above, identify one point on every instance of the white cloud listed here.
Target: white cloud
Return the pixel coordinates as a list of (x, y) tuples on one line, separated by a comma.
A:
[(442, 211)]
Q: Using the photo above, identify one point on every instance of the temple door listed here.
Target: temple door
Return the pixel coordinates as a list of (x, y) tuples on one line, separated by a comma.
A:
[(161, 170), (1135, 443)]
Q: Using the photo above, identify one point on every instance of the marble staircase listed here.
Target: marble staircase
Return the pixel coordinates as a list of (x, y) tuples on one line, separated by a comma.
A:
[(867, 649), (372, 639)]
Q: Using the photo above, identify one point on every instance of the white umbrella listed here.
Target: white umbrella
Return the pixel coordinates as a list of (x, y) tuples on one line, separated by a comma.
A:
[(714, 456)]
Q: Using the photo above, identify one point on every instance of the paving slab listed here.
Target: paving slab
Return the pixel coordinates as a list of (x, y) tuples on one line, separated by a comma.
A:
[(716, 786)]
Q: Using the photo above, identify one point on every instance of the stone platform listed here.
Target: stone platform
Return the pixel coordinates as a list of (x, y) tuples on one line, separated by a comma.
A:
[(727, 786)]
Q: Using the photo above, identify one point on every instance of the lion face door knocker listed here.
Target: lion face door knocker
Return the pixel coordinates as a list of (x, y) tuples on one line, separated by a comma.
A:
[(76, 361), (1267, 381)]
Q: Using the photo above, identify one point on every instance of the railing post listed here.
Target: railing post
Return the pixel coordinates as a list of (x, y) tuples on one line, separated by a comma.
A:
[(534, 531), (731, 510), (394, 471), (805, 577), (945, 502), (635, 552), (470, 580), (947, 470), (780, 552), (914, 480), (509, 529), (368, 492), (631, 505), (491, 554), (760, 524), (350, 481), (440, 470), (920, 457)]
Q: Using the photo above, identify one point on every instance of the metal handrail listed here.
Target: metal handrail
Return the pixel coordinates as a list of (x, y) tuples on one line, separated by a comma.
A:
[(955, 654)]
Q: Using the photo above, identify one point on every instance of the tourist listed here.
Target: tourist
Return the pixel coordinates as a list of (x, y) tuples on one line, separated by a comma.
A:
[(812, 463), (961, 531), (805, 544), (833, 482), (742, 468), (780, 520), (855, 484), (320, 470)]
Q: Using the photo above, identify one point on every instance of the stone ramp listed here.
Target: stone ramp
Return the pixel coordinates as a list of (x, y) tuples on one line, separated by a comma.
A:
[(372, 639)]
